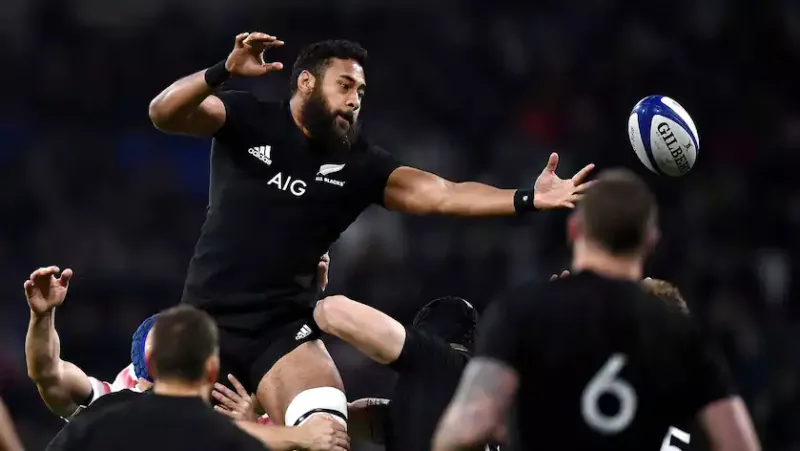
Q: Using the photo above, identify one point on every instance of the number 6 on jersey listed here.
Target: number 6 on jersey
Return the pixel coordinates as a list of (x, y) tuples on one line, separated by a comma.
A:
[(606, 382)]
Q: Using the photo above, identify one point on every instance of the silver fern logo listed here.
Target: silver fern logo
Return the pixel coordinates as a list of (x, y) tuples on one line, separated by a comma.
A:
[(325, 170)]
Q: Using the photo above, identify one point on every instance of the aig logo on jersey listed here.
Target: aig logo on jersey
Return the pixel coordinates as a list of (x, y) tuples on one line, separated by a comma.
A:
[(327, 169), (286, 183)]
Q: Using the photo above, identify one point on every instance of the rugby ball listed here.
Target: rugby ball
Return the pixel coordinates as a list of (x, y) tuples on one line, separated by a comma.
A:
[(663, 136)]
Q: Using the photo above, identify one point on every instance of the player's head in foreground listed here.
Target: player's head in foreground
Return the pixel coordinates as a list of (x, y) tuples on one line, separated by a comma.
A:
[(328, 81), (615, 226), (451, 318), (185, 353)]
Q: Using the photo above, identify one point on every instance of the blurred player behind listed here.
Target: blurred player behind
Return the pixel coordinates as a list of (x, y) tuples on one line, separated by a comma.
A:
[(591, 361)]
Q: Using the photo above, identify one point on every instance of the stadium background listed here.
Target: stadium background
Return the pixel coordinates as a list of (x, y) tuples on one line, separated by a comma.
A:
[(471, 90)]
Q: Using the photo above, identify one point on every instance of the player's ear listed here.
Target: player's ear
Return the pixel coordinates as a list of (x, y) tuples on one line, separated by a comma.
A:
[(652, 238), (148, 344), (212, 369), (305, 82), (574, 227)]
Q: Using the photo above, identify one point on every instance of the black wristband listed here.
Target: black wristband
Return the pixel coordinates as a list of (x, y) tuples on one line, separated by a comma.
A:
[(217, 74), (523, 201)]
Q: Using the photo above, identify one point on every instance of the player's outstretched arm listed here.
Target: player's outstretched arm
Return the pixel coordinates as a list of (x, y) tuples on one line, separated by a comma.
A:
[(418, 192), (366, 419), (479, 408), (187, 107), (728, 426), (9, 440), (372, 332), (62, 385), (319, 433)]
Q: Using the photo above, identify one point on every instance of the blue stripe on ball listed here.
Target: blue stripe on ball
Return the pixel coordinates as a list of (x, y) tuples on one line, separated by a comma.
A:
[(644, 115)]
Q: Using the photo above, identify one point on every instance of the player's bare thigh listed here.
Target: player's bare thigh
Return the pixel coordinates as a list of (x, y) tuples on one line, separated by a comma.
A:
[(307, 366)]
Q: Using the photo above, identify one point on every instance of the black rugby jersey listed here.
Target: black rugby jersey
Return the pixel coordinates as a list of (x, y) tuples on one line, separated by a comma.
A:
[(132, 422), (602, 365), (428, 371), (277, 202)]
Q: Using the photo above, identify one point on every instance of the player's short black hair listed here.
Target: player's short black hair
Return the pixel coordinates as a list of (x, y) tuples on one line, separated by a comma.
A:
[(316, 57), (451, 318), (618, 211), (184, 339)]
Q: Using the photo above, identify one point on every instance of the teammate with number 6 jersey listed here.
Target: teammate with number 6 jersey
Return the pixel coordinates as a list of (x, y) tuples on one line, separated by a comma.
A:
[(591, 361)]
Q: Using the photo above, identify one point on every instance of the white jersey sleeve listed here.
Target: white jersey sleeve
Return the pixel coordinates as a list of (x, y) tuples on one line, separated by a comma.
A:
[(125, 380)]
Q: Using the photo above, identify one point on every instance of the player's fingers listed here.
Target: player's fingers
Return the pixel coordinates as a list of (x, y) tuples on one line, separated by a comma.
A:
[(553, 277), (271, 67), (66, 276), (326, 257), (568, 205), (343, 441), (28, 288), (273, 44), (583, 187), (240, 39), (238, 386), (225, 400), (580, 175), (227, 392), (564, 273), (338, 428), (38, 273), (226, 412), (552, 163), (257, 36)]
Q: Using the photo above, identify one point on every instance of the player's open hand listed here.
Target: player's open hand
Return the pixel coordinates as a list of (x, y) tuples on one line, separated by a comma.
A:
[(551, 192), (322, 433), (45, 291), (237, 405), (247, 57)]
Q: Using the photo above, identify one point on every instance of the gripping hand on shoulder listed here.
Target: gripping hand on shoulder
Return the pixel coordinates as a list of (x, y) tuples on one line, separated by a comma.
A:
[(45, 291), (247, 57)]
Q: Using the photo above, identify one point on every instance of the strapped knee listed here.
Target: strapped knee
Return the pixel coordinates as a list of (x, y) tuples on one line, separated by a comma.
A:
[(317, 401)]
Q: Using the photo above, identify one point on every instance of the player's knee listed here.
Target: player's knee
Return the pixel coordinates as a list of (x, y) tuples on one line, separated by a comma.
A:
[(317, 401)]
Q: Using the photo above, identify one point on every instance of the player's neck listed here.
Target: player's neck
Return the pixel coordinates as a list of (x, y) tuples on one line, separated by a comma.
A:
[(295, 107), (180, 389), (587, 257)]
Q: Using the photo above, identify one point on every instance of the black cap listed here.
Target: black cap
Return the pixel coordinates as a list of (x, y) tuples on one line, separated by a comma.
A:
[(450, 318)]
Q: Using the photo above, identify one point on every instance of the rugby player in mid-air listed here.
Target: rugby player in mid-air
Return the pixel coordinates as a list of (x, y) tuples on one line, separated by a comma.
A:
[(286, 180), (592, 361)]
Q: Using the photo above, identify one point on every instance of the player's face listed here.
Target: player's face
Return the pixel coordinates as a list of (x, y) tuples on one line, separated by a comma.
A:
[(330, 112), (343, 88)]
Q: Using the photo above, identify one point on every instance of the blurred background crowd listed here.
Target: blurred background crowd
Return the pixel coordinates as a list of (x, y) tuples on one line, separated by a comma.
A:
[(470, 90)]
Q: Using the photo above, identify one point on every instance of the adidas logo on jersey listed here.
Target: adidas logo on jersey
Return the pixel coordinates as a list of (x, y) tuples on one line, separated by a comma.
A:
[(303, 332), (262, 153)]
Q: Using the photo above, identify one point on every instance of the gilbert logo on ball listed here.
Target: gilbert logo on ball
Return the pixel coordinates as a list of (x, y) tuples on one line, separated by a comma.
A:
[(663, 136)]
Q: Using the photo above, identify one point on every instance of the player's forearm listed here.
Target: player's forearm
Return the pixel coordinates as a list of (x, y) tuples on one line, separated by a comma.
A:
[(8, 435), (277, 438), (42, 348), (179, 101), (62, 385), (476, 199)]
